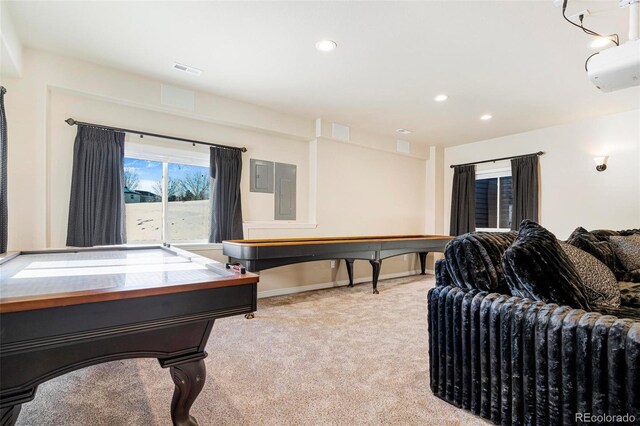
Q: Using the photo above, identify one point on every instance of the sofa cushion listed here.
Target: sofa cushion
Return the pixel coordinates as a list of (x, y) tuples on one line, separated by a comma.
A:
[(628, 250), (535, 266), (600, 285), (622, 312), (601, 250), (629, 276), (474, 260), (629, 294)]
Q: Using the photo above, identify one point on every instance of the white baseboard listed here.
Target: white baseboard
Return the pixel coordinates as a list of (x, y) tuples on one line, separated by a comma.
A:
[(341, 283)]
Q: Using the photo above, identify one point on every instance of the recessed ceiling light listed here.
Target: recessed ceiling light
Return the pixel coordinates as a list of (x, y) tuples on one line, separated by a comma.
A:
[(403, 131), (599, 42), (186, 68), (441, 98), (486, 117), (326, 45)]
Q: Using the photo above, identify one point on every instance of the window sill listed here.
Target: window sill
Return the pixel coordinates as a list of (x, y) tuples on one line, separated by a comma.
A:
[(279, 224), (247, 225), (493, 230), (198, 246)]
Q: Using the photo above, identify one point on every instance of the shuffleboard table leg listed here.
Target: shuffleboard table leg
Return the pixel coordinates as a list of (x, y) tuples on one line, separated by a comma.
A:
[(189, 380), (9, 415), (375, 264), (349, 263), (423, 262)]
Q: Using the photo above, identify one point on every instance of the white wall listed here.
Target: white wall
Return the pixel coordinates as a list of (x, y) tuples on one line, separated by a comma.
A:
[(10, 45), (572, 192), (344, 188), (368, 192)]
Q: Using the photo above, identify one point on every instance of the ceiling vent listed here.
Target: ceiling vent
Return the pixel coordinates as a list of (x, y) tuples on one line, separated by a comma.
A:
[(187, 69)]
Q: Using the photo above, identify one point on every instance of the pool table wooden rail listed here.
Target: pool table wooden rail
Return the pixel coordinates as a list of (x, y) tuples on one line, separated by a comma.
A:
[(51, 300), (26, 303)]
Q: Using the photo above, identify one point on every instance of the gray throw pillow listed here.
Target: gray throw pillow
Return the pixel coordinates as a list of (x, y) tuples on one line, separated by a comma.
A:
[(600, 285), (628, 250), (536, 267)]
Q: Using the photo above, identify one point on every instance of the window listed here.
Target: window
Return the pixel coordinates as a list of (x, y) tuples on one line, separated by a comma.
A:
[(143, 200), (188, 206), (166, 202), (493, 200)]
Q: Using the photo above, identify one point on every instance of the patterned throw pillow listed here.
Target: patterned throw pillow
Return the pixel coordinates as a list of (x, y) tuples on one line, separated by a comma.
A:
[(628, 250), (535, 266), (600, 285), (601, 250)]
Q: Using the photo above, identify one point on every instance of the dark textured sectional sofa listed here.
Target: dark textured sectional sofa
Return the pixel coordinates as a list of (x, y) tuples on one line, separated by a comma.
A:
[(518, 361)]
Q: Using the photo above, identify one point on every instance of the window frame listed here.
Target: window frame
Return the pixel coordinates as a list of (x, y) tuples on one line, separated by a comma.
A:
[(493, 174), (165, 156)]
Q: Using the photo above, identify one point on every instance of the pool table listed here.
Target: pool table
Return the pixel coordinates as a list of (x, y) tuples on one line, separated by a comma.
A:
[(61, 310), (258, 255)]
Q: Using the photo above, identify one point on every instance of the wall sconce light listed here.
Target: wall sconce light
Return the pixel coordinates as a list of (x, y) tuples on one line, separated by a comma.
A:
[(601, 163)]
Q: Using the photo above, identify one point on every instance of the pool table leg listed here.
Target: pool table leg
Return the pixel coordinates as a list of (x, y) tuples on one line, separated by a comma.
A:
[(349, 263), (423, 262), (375, 264), (189, 380), (9, 415)]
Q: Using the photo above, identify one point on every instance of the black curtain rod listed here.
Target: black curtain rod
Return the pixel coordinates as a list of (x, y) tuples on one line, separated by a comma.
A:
[(496, 159), (71, 122)]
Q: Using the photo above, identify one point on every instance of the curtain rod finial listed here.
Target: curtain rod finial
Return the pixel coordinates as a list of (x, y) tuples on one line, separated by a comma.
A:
[(243, 149), (3, 90), (70, 121)]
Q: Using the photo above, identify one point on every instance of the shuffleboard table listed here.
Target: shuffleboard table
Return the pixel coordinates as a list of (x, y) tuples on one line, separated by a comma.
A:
[(68, 309), (258, 255)]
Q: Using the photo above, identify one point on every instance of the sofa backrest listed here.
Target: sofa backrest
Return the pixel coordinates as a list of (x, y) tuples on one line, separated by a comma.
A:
[(474, 260), (604, 234)]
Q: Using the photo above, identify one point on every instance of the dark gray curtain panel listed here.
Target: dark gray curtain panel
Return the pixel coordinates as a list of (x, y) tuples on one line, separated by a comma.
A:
[(524, 178), (4, 214), (226, 208), (96, 210), (463, 200)]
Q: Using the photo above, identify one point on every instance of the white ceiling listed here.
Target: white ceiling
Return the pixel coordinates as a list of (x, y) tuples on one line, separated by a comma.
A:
[(518, 60)]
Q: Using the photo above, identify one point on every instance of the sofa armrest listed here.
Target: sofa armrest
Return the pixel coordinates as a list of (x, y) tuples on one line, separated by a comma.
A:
[(443, 278), (474, 260), (517, 361)]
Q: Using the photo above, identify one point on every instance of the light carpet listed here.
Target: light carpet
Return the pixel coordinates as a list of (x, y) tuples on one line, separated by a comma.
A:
[(341, 356)]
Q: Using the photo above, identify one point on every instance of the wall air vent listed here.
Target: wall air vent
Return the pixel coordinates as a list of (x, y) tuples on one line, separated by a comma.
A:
[(403, 146), (187, 69), (177, 97), (340, 131)]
